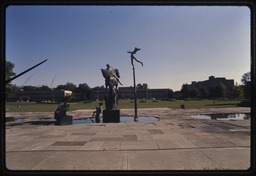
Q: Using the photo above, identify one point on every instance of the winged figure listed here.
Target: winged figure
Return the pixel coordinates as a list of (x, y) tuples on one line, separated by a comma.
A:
[(133, 56), (111, 81)]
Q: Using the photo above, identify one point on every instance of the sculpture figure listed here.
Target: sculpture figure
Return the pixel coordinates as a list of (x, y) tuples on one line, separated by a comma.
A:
[(61, 110), (60, 115), (134, 82), (97, 112), (111, 82), (133, 56)]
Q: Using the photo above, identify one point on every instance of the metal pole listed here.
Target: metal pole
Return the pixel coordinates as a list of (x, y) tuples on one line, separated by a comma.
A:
[(135, 96), (134, 83), (9, 80)]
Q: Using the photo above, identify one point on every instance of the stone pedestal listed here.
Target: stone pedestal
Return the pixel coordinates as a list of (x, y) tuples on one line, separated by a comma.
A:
[(111, 116), (66, 120)]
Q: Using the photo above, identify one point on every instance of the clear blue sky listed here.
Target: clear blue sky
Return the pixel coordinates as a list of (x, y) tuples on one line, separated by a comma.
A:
[(179, 44)]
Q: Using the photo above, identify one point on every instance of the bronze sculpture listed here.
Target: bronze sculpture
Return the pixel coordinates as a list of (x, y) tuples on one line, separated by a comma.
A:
[(133, 56), (111, 113), (61, 110), (134, 82), (97, 113), (61, 116), (111, 82)]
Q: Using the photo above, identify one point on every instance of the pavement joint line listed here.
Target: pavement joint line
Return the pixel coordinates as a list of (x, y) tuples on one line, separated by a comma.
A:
[(210, 158), (43, 161), (157, 146), (171, 149), (246, 127)]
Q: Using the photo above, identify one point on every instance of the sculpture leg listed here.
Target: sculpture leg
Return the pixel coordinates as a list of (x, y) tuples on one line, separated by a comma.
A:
[(97, 118)]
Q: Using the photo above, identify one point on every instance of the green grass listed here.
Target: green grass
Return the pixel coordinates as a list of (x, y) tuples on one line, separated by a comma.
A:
[(30, 107), (192, 104)]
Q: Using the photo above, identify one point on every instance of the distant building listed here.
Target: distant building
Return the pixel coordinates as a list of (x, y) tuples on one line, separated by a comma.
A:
[(77, 96), (158, 93), (97, 94), (43, 95), (125, 92), (128, 92), (177, 94), (213, 82)]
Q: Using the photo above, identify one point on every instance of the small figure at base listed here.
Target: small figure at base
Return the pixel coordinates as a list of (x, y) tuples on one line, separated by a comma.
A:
[(97, 112)]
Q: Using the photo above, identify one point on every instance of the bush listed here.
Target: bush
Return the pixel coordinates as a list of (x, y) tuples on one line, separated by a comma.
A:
[(245, 103)]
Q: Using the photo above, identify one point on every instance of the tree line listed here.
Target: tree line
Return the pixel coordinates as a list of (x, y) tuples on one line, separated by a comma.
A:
[(83, 89), (220, 90)]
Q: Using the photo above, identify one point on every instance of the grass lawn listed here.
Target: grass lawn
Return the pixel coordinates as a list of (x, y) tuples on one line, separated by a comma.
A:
[(127, 104)]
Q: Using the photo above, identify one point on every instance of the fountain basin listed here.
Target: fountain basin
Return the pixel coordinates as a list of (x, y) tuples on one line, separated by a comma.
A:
[(122, 120), (231, 116)]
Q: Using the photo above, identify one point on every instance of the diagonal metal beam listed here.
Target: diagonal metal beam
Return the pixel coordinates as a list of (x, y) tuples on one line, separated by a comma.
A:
[(9, 80)]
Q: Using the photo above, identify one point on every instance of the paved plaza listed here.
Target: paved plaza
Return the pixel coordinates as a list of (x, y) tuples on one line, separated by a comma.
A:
[(175, 142)]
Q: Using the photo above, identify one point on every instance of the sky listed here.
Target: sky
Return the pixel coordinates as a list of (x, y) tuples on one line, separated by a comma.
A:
[(179, 44)]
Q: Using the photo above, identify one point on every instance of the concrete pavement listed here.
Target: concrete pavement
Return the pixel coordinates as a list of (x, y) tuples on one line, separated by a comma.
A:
[(175, 142)]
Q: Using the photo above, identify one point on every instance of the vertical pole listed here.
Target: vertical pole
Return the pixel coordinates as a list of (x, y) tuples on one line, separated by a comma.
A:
[(135, 96)]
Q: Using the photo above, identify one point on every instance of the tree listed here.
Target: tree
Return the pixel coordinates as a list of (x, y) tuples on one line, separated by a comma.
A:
[(185, 90), (9, 72), (67, 86), (142, 86), (99, 88), (194, 93), (139, 86), (145, 86), (44, 87), (221, 91), (30, 88), (85, 90), (246, 81), (35, 88), (204, 93), (170, 93), (237, 91), (246, 78), (10, 89)]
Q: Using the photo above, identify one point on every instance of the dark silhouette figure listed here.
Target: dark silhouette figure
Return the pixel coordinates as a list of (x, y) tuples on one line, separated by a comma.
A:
[(133, 56), (97, 112)]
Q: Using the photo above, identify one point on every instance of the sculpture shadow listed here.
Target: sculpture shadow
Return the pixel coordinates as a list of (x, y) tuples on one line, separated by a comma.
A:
[(39, 122)]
